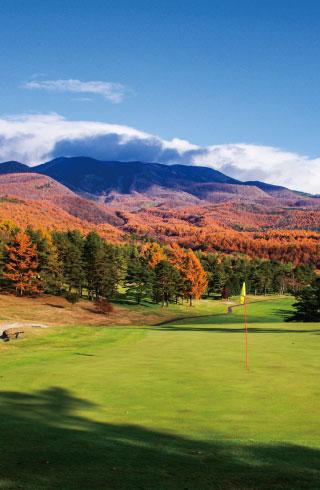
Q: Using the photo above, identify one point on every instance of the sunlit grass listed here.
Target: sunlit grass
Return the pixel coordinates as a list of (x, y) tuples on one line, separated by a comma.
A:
[(168, 406)]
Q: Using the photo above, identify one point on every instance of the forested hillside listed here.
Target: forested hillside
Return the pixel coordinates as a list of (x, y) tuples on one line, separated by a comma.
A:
[(197, 208)]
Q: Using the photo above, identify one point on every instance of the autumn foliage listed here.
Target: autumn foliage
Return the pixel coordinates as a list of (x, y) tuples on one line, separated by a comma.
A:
[(195, 279), (152, 253), (22, 266), (194, 229), (283, 229)]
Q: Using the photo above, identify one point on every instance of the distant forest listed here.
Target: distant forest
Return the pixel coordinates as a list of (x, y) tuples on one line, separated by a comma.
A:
[(73, 264)]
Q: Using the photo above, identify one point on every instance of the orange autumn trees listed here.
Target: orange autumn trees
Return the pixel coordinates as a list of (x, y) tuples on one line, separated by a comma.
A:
[(152, 253), (216, 229), (194, 280), (22, 265), (194, 277)]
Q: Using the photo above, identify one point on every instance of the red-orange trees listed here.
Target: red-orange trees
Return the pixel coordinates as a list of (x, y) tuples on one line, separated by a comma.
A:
[(152, 253), (194, 277), (22, 266)]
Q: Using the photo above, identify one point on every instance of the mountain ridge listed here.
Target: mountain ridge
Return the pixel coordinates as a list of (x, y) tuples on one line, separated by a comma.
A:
[(98, 177), (13, 166), (103, 179)]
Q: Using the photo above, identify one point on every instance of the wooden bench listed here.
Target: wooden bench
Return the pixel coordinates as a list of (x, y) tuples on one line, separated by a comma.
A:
[(11, 333)]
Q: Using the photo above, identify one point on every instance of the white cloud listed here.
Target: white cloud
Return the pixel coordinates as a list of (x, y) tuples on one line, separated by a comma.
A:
[(273, 165), (83, 99), (37, 138), (114, 92)]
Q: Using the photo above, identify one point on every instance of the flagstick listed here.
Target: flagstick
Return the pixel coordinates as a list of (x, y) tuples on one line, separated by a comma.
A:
[(246, 329)]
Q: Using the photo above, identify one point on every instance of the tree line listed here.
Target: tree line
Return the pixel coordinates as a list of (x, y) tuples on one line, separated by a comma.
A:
[(34, 261), (226, 274)]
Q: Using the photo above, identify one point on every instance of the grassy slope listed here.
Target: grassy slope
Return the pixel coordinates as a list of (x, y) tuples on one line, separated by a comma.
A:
[(56, 311), (167, 407)]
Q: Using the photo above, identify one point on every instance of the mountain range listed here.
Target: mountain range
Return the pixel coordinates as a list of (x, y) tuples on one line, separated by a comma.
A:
[(112, 181), (194, 206)]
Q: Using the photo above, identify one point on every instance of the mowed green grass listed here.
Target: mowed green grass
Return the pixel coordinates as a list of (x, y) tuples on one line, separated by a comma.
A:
[(164, 407)]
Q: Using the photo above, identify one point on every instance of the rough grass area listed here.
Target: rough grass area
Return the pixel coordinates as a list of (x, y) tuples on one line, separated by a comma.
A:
[(164, 407), (53, 310)]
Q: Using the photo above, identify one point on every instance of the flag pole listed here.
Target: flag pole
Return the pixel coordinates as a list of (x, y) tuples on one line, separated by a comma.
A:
[(246, 329), (243, 301)]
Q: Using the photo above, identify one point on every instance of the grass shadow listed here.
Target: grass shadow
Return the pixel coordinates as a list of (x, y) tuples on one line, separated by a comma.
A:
[(212, 329), (218, 318), (83, 354), (285, 314), (55, 306), (131, 301), (91, 309), (46, 444)]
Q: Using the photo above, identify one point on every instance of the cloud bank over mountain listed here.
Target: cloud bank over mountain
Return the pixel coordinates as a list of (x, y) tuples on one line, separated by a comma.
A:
[(35, 138)]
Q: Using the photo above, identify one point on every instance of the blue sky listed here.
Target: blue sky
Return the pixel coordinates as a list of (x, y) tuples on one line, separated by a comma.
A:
[(210, 72)]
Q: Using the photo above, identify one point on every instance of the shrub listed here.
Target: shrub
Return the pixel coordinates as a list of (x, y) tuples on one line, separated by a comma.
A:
[(103, 306), (71, 297)]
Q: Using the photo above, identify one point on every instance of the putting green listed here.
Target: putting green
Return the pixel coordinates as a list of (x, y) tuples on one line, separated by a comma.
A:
[(165, 407)]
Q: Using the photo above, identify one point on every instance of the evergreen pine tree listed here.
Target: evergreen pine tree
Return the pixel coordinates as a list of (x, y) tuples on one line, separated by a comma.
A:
[(93, 258), (49, 265), (139, 279), (167, 282), (307, 307), (73, 265), (112, 270)]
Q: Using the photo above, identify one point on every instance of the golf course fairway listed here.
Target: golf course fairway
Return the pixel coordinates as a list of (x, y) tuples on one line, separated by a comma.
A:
[(164, 407)]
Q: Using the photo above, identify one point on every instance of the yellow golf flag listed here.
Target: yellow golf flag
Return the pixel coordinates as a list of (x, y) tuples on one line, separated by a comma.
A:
[(243, 294)]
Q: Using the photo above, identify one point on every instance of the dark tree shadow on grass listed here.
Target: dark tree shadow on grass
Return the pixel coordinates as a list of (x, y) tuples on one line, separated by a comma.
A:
[(218, 318), (55, 306), (45, 444), (130, 300), (213, 329)]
